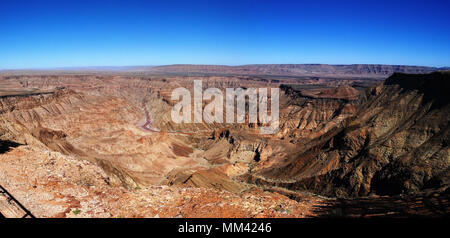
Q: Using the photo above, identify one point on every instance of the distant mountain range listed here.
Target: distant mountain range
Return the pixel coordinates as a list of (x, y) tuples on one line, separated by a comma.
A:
[(293, 70), (320, 70)]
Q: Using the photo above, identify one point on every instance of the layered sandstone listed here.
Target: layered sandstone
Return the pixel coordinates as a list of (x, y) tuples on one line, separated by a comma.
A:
[(396, 143), (104, 145)]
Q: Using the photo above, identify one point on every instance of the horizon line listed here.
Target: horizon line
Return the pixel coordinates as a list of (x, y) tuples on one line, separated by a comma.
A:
[(112, 67)]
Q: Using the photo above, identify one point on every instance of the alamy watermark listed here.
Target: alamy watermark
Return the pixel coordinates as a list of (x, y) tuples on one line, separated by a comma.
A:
[(213, 111)]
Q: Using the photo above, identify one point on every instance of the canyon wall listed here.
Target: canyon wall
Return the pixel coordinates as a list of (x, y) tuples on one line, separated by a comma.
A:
[(397, 142)]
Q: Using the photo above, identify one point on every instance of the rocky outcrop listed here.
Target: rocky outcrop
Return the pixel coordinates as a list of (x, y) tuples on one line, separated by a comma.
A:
[(51, 184), (113, 134), (396, 143)]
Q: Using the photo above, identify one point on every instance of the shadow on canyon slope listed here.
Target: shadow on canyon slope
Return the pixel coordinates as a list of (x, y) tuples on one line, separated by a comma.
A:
[(6, 145), (427, 204)]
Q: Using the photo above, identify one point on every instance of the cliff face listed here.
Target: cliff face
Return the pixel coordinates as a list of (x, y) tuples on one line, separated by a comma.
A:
[(114, 135), (396, 143), (95, 127), (81, 145)]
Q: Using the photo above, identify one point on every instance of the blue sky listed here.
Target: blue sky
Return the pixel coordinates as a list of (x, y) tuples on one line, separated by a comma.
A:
[(66, 33)]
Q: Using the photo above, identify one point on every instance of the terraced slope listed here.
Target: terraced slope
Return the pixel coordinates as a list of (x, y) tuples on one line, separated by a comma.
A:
[(397, 142)]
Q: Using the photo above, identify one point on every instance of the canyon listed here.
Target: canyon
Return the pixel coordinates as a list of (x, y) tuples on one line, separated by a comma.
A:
[(353, 140)]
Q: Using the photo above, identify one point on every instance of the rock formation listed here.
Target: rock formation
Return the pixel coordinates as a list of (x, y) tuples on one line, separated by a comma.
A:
[(102, 144), (397, 142)]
